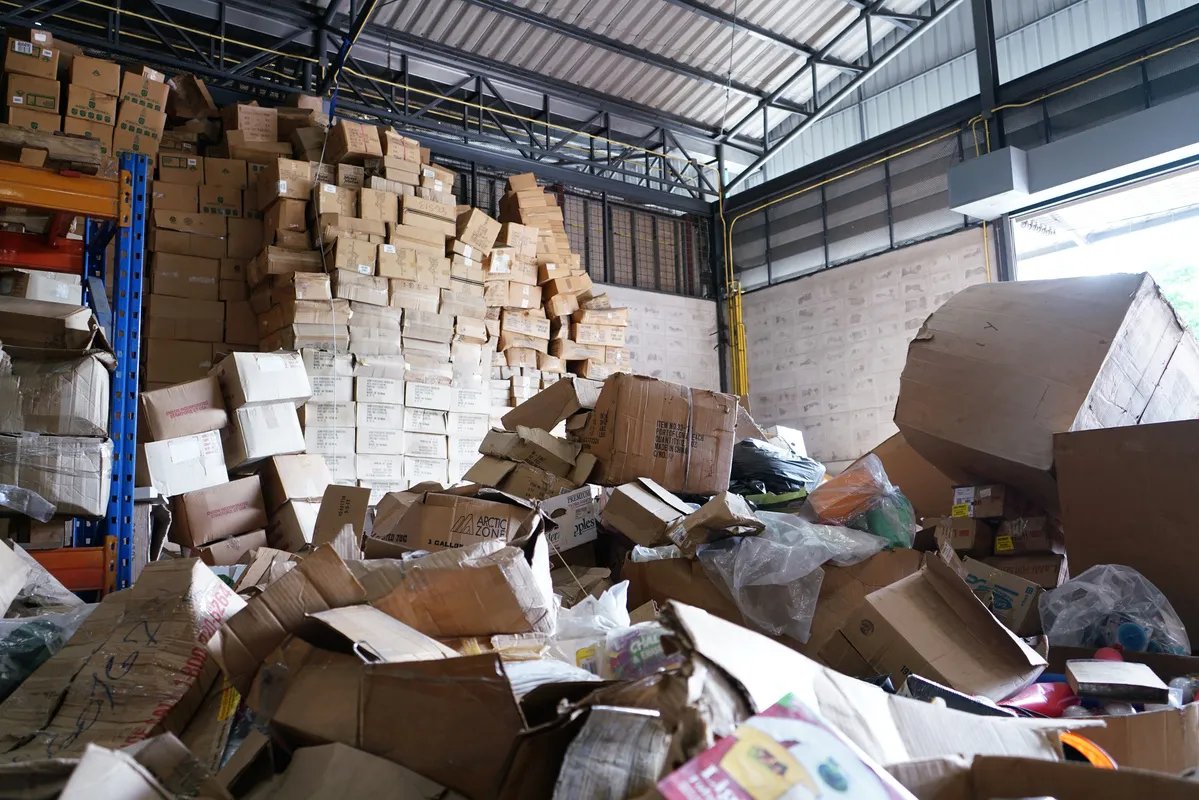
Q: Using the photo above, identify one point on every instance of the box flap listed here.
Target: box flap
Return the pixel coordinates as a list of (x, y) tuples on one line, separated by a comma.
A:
[(1160, 741), (340, 506), (335, 771), (371, 634), (667, 497)]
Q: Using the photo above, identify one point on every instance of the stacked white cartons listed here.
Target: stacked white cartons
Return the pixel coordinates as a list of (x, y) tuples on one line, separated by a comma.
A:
[(597, 323), (328, 418), (428, 395), (379, 391), (262, 392)]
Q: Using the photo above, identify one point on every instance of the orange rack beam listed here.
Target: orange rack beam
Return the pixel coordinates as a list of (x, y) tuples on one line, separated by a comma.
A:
[(80, 569), (45, 189)]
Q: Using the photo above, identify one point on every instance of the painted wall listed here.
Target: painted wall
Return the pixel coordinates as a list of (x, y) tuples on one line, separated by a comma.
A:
[(671, 337), (826, 351)]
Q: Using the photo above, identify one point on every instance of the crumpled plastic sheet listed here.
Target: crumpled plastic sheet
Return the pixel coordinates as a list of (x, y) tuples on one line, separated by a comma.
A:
[(27, 643), (663, 553), (1108, 605), (580, 635), (26, 502), (42, 592), (775, 577)]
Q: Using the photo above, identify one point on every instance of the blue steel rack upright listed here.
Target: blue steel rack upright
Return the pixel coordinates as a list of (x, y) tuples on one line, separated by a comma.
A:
[(122, 325)]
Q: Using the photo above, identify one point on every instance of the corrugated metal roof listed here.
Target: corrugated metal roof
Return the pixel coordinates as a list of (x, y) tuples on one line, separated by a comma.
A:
[(660, 28)]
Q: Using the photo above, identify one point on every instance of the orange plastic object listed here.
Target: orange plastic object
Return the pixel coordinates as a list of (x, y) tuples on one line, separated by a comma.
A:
[(80, 569), (1089, 750), (846, 495)]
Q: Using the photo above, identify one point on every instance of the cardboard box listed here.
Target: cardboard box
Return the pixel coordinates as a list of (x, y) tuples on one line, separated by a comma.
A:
[(89, 105), (323, 414), (176, 197), (71, 472), (223, 201), (183, 410), (1047, 570), (184, 276), (351, 254), (139, 121), (446, 521), (197, 235), (1013, 600), (128, 140), (96, 75), (258, 124), (1027, 535), (993, 501), (261, 378), (28, 58), (34, 323), (427, 395), (329, 441), (532, 446), (32, 120), (185, 464), (34, 535), (918, 625), (352, 143), (50, 287), (228, 552), (1154, 469), (168, 361), (261, 431), (562, 400), (213, 513), (967, 535), (241, 324), (68, 397), (1055, 352), (144, 91), (644, 511), (37, 94), (378, 206), (682, 438), (187, 319), (229, 172), (293, 477), (158, 691), (292, 525)]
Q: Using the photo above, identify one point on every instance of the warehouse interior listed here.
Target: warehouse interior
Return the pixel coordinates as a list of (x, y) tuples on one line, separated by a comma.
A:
[(696, 398)]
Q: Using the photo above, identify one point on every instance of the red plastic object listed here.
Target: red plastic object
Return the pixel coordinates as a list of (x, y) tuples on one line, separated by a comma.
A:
[(1109, 654), (1050, 699), (31, 251)]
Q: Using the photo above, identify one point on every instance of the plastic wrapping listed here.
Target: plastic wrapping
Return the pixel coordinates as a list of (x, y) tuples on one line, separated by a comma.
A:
[(637, 651), (774, 577), (663, 553), (26, 502), (863, 498), (579, 638), (25, 644), (42, 592), (1111, 605), (776, 470), (72, 473)]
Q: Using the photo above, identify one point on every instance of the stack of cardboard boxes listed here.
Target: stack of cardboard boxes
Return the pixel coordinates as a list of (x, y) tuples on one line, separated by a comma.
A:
[(292, 488), (33, 92), (262, 392)]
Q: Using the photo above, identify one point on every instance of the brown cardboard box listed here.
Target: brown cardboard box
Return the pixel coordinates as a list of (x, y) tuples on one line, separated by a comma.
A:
[(27, 58), (377, 205), (285, 215), (477, 230), (284, 178), (144, 91), (966, 535), (509, 340), (140, 121), (223, 201), (158, 691), (185, 318), (128, 140), (562, 400), (993, 501), (182, 410), (680, 437), (182, 242), (518, 479), (606, 335), (184, 276), (1027, 535), (241, 324), (328, 198), (918, 625), (396, 146), (930, 491), (446, 521), (181, 168), (351, 143), (1149, 527), (1012, 599), (91, 130), (561, 305), (1055, 355), (70, 472), (575, 285), (602, 316), (96, 75), (38, 94), (262, 431), (360, 288), (228, 552), (1047, 570), (229, 172), (353, 255), (32, 120), (90, 105), (643, 511), (245, 239), (64, 396), (413, 295), (257, 123), (568, 350), (190, 98), (169, 361), (512, 295), (280, 261), (295, 477), (207, 515), (175, 197), (533, 446)]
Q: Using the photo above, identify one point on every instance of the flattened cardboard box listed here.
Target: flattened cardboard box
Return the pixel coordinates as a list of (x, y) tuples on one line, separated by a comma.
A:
[(682, 438), (137, 666), (562, 400)]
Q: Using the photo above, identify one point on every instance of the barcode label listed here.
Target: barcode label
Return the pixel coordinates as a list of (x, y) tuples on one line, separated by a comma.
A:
[(365, 269), (25, 48), (191, 162), (330, 189), (282, 186), (389, 248), (17, 100)]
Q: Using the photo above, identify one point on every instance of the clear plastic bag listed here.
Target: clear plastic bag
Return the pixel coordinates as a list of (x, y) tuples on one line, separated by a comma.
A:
[(25, 644), (26, 501), (663, 553), (579, 638), (41, 593), (1112, 605), (863, 498), (774, 577)]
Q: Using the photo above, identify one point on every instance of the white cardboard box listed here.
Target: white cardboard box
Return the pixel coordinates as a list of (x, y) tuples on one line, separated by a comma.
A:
[(329, 441), (422, 420), (379, 390), (417, 470), (575, 514), (380, 467), (261, 378), (380, 416), (328, 389), (425, 445), (427, 395), (381, 441), (186, 463), (474, 426), (262, 431)]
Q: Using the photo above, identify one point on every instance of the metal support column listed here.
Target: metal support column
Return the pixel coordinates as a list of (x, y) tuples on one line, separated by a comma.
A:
[(126, 342), (988, 66)]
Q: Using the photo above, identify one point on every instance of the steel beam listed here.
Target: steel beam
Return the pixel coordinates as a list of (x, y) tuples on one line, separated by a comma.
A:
[(845, 91), (357, 25), (988, 61)]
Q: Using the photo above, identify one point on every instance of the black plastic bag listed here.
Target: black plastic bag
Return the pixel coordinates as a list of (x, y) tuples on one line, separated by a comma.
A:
[(756, 462)]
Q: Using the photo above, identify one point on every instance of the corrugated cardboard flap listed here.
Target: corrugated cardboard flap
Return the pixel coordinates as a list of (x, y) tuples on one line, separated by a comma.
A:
[(890, 729), (371, 634), (318, 583), (667, 497)]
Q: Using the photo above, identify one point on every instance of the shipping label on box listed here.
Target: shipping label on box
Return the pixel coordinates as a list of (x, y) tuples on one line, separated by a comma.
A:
[(380, 416), (27, 58), (329, 441), (381, 441), (428, 396)]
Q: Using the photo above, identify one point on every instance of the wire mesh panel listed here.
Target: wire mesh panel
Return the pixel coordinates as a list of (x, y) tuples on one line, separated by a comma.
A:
[(593, 257), (645, 253), (622, 246), (572, 211)]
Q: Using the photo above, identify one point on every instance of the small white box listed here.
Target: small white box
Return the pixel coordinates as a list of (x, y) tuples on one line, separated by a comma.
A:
[(575, 514), (464, 448), (427, 395), (425, 445), (186, 463), (418, 470), (262, 431), (474, 426), (326, 362), (328, 415), (380, 416), (381, 441), (328, 389), (260, 378), (422, 420), (379, 390), (469, 399), (329, 441), (380, 468), (341, 466)]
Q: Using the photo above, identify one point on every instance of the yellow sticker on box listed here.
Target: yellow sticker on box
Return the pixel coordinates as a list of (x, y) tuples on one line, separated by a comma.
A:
[(1004, 544), (961, 510)]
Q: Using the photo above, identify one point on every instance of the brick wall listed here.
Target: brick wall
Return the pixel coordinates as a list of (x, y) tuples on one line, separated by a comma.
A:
[(671, 337), (826, 351)]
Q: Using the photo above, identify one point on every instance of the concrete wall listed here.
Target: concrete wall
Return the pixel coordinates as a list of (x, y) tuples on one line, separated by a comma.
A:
[(671, 337), (826, 351)]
